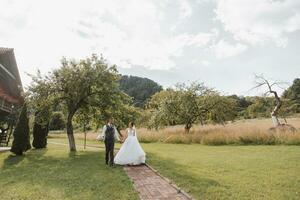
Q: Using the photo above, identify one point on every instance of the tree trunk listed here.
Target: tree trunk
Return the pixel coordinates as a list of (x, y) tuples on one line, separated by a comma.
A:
[(187, 127), (70, 132), (84, 146), (274, 113)]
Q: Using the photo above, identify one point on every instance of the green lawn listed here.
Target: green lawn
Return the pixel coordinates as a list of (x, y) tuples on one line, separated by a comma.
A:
[(55, 174), (206, 172), (230, 172)]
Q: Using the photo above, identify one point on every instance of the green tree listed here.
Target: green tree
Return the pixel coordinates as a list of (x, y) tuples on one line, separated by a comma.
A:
[(78, 83), (242, 103), (260, 107), (40, 102), (188, 104), (57, 121), (40, 129), (293, 93), (21, 142), (140, 89)]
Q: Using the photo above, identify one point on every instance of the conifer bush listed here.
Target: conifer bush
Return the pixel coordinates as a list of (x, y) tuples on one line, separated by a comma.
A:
[(21, 142)]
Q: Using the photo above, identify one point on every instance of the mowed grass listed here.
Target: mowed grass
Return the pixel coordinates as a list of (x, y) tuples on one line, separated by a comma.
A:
[(229, 172), (54, 173)]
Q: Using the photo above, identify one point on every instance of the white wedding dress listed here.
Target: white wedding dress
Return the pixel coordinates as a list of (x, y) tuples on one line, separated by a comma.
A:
[(131, 152)]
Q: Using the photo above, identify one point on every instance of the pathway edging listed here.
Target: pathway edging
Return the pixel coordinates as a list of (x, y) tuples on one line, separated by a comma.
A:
[(170, 182), (152, 186)]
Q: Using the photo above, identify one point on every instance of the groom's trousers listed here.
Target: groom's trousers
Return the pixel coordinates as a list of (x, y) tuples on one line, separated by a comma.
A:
[(109, 152)]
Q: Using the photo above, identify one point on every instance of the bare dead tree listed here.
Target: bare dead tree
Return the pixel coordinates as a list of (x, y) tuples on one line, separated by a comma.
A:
[(261, 81)]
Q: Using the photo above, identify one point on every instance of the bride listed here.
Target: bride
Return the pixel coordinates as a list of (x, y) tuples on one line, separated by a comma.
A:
[(131, 152)]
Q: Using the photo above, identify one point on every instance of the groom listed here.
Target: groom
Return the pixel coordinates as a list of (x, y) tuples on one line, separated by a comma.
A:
[(109, 135)]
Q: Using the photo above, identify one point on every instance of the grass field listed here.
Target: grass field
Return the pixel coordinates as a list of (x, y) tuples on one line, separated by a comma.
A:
[(55, 174), (236, 171), (205, 172), (243, 132), (230, 172)]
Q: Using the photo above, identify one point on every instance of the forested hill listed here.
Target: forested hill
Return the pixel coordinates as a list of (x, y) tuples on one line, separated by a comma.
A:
[(141, 89)]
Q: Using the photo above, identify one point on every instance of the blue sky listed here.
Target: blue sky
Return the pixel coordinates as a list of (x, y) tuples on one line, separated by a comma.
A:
[(220, 42)]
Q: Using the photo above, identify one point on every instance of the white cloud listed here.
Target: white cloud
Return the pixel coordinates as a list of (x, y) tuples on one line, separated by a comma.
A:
[(224, 49), (127, 33), (185, 9), (259, 21), (205, 62)]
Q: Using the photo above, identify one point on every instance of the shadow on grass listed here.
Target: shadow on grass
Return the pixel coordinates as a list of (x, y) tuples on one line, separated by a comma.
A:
[(12, 160), (183, 176), (57, 174)]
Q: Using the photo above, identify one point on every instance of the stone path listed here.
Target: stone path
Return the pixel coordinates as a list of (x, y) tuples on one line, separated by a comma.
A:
[(4, 149), (152, 186)]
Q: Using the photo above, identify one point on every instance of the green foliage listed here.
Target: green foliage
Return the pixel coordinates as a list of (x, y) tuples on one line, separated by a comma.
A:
[(40, 129), (21, 142), (187, 104), (39, 136), (57, 121), (261, 107), (293, 93), (77, 85), (242, 103), (222, 109), (140, 89)]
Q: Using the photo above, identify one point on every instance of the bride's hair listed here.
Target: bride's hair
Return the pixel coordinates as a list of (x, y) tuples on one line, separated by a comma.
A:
[(131, 124)]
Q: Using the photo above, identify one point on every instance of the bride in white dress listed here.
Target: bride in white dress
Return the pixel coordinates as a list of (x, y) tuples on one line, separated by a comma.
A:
[(131, 152)]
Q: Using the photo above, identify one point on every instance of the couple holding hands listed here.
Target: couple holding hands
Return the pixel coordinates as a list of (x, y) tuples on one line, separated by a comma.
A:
[(130, 153)]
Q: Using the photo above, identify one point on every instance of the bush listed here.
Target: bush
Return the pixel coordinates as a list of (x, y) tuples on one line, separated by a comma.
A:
[(21, 142), (57, 121), (40, 131)]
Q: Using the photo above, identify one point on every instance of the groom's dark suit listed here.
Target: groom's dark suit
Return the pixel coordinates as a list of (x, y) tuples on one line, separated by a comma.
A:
[(109, 140)]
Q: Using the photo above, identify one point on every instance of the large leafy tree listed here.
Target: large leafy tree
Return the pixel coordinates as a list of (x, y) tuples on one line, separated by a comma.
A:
[(87, 84), (78, 84), (188, 104)]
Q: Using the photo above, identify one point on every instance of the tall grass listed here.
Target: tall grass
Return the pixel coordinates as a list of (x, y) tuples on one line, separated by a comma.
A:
[(245, 132), (248, 132)]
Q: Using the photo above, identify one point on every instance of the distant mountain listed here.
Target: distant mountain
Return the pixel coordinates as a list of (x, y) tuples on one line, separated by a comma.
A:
[(141, 89)]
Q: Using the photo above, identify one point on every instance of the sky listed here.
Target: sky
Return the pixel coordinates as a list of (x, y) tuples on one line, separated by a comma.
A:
[(222, 43)]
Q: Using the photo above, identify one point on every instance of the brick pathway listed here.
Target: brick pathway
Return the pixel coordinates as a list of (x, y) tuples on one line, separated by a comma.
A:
[(152, 186)]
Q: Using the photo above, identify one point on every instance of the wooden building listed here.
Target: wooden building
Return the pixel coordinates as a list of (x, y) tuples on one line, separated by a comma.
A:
[(10, 82), (10, 93)]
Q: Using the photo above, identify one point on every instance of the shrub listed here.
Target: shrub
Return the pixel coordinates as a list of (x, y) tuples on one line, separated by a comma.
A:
[(21, 142), (57, 121), (40, 133)]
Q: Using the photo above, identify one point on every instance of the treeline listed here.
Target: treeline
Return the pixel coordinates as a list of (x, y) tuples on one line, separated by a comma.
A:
[(84, 93), (155, 107), (140, 89)]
